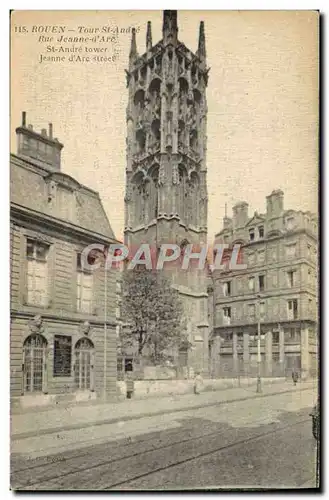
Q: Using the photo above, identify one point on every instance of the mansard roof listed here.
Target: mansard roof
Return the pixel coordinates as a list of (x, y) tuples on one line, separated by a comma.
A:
[(29, 189)]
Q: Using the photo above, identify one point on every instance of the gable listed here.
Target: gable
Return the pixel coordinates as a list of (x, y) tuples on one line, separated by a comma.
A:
[(255, 220)]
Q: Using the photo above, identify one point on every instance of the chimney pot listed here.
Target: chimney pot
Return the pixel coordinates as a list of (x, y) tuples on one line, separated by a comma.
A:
[(24, 119), (30, 127), (44, 132), (50, 130)]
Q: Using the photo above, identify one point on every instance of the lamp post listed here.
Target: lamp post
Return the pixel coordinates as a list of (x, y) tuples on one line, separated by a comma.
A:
[(240, 351), (259, 383)]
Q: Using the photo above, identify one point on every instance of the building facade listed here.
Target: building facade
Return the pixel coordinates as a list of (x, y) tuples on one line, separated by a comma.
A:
[(277, 291), (166, 188), (63, 337)]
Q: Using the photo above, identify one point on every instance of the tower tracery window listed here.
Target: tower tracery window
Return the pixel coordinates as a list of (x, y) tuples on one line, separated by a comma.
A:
[(155, 129), (181, 133), (194, 139), (140, 140)]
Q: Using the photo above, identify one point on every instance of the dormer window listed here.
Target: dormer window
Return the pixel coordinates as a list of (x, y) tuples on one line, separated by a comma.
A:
[(65, 203), (290, 222), (261, 231), (61, 192), (251, 234)]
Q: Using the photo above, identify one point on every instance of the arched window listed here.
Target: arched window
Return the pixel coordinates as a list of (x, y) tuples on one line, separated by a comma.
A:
[(34, 363), (139, 198), (139, 99), (154, 89), (84, 364), (183, 86), (155, 128), (140, 141), (194, 140), (181, 133)]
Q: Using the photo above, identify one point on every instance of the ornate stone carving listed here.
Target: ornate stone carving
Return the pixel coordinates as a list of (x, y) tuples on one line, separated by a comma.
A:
[(175, 175), (85, 328), (36, 324), (128, 193), (161, 175), (191, 115), (203, 195)]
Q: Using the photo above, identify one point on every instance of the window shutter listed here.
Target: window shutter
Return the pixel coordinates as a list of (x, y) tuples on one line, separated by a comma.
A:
[(30, 281), (41, 283)]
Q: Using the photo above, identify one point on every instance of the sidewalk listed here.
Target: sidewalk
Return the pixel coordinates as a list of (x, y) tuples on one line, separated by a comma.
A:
[(68, 418)]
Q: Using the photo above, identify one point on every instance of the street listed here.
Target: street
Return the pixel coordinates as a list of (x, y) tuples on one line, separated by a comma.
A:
[(264, 443)]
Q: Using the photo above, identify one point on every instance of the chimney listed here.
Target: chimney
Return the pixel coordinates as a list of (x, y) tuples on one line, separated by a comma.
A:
[(274, 204), (40, 147), (240, 214)]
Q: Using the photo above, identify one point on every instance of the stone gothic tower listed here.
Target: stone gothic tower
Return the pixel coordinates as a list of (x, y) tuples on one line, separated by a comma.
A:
[(166, 190)]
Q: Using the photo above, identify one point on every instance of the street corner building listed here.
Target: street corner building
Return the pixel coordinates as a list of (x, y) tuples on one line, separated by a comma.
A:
[(275, 295), (166, 187), (63, 327)]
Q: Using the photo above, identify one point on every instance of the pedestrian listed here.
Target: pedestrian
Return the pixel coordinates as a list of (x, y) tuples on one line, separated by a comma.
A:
[(129, 385), (198, 381), (294, 377)]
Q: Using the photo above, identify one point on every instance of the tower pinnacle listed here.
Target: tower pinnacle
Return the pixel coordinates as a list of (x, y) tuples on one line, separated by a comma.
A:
[(169, 26), (148, 36), (202, 42), (133, 47)]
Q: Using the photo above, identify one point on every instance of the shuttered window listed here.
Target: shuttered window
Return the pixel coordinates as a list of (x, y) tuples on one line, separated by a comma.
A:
[(84, 289), (37, 273)]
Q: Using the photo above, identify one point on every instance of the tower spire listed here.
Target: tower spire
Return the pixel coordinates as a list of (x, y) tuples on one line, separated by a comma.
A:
[(202, 42), (148, 36), (169, 26), (133, 47)]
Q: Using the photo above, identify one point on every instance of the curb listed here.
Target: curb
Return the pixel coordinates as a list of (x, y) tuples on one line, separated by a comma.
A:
[(126, 418)]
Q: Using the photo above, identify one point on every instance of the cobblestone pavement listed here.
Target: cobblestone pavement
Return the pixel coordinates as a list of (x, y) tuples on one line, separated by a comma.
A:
[(265, 442), (74, 417)]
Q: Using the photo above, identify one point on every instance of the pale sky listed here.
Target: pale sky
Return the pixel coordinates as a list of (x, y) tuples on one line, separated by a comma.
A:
[(262, 99)]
